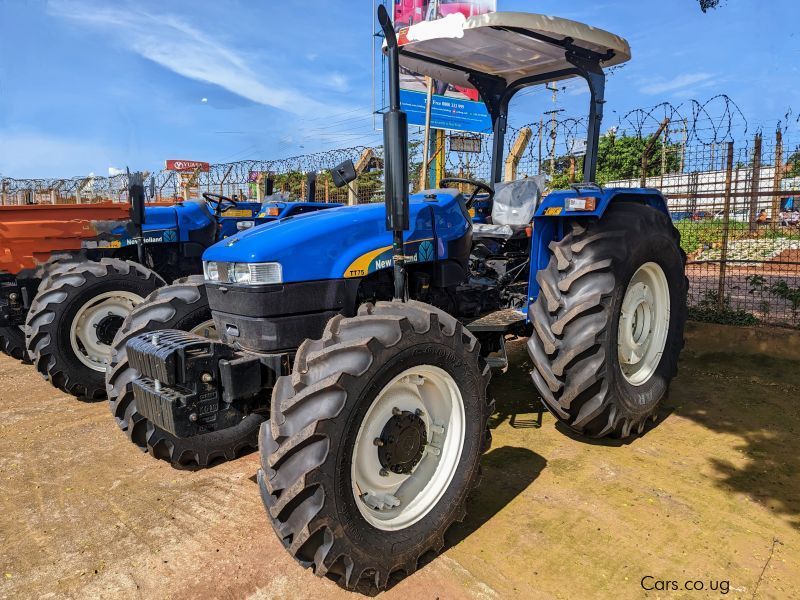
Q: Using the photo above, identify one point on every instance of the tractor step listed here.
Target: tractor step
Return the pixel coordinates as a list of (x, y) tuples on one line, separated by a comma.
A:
[(501, 321)]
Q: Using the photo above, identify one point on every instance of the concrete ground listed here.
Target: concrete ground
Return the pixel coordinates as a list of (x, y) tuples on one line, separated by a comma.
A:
[(710, 495)]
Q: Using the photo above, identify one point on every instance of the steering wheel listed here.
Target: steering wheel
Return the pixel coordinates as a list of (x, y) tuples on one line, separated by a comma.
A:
[(220, 203), (478, 185)]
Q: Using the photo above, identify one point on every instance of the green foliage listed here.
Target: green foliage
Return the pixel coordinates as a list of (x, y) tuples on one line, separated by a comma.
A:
[(711, 310), (780, 289), (620, 157), (792, 166)]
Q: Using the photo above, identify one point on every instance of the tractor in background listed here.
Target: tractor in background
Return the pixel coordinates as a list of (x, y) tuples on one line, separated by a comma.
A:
[(356, 344), (70, 274)]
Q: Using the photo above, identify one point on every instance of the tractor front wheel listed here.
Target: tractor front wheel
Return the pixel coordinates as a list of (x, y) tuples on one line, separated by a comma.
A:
[(184, 306), (75, 316), (374, 442), (608, 321)]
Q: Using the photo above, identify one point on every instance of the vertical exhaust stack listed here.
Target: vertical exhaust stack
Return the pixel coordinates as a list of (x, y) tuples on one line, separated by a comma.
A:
[(136, 196), (311, 186), (395, 143)]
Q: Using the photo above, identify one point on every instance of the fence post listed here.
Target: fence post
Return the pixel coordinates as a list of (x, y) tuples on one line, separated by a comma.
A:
[(515, 156), (776, 186), (755, 182), (726, 217), (3, 192)]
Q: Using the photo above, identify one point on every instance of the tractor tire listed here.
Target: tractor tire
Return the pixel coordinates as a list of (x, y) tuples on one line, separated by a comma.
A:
[(609, 320), (184, 306), (12, 338), (12, 342), (317, 448), (61, 321)]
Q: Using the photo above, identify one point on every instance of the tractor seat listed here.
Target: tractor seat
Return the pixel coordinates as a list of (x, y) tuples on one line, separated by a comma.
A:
[(513, 208)]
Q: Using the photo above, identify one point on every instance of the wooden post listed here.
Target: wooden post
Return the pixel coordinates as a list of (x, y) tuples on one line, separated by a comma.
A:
[(327, 190), (755, 183), (361, 166), (726, 217), (3, 192), (776, 186), (648, 150), (517, 150)]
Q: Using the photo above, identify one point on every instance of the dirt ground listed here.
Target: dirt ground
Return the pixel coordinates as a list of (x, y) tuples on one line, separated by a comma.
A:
[(709, 495)]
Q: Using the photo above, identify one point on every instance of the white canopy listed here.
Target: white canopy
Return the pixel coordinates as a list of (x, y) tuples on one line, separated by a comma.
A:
[(496, 44)]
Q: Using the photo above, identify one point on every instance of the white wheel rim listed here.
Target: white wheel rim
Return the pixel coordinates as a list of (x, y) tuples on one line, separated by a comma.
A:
[(395, 501), (83, 332), (643, 324), (206, 329)]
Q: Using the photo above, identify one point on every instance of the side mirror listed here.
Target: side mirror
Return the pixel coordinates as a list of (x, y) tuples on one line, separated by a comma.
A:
[(344, 173), (136, 196)]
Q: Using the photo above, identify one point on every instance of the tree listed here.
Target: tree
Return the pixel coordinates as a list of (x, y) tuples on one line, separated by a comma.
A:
[(706, 4), (620, 157), (792, 166)]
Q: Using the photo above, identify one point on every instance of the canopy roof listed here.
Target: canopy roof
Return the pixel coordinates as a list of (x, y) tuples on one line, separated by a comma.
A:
[(509, 45)]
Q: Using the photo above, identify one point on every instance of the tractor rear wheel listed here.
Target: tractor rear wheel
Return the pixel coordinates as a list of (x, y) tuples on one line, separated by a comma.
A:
[(374, 442), (12, 342), (184, 306), (75, 316), (609, 319)]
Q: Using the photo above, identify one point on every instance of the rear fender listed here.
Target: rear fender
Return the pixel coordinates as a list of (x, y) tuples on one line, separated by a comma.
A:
[(552, 220)]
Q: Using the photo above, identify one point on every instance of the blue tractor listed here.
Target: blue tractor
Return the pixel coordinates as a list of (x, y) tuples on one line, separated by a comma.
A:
[(80, 299), (355, 345)]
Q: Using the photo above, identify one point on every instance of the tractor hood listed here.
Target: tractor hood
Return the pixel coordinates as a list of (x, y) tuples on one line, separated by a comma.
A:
[(350, 241)]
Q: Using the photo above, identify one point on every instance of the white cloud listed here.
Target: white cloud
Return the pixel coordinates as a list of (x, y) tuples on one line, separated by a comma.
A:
[(171, 42), (676, 83), (112, 171)]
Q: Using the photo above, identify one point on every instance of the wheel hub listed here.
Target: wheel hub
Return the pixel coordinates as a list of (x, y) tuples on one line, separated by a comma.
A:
[(402, 442), (108, 327), (643, 324)]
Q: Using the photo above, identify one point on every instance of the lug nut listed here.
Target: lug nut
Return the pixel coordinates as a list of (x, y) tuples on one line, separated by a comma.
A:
[(384, 473), (206, 378), (378, 442), (193, 417), (396, 412), (419, 412)]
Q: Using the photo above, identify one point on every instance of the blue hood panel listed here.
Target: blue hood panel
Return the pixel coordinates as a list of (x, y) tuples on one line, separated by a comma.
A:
[(350, 241)]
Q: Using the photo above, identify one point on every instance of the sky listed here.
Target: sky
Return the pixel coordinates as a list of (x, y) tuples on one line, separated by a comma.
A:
[(87, 86)]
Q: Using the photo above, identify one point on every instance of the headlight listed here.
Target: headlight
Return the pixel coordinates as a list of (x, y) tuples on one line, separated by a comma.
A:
[(244, 273), (241, 273), (211, 271)]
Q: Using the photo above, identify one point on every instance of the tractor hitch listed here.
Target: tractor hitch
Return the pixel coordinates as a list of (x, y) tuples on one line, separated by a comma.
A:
[(190, 385)]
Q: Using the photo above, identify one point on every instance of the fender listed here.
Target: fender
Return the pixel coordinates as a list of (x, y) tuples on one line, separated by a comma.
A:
[(552, 217)]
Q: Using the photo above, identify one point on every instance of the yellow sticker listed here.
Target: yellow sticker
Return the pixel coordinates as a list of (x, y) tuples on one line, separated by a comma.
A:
[(553, 211), (237, 213), (472, 212)]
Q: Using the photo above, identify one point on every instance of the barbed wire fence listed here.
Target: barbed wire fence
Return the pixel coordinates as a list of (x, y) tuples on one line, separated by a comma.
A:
[(732, 186)]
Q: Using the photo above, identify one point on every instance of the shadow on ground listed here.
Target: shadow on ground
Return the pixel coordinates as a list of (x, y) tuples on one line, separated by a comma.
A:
[(755, 398), (509, 471)]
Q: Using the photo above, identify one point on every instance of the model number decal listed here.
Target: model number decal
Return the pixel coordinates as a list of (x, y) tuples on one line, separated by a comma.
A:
[(553, 211)]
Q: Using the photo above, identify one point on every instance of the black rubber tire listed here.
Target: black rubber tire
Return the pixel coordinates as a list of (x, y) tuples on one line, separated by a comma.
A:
[(576, 319), (184, 306), (12, 338), (12, 342), (307, 445), (52, 312)]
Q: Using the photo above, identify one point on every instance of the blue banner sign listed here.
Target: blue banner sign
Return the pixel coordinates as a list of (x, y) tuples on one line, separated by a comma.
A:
[(447, 112)]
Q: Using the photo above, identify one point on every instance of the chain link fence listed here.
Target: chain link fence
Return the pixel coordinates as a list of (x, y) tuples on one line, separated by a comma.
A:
[(733, 189)]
